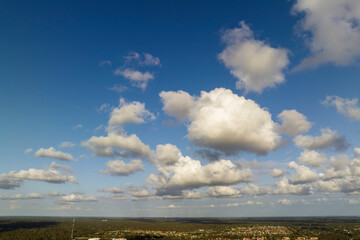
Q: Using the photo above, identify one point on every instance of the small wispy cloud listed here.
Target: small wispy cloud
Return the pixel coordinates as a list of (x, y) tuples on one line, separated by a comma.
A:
[(77, 126), (137, 79), (146, 59), (105, 62), (66, 145), (52, 153), (118, 88), (28, 150)]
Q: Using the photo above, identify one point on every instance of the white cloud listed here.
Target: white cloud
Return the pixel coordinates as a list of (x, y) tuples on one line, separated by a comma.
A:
[(114, 190), (215, 123), (64, 168), (255, 64), (138, 193), (340, 162), (328, 139), (293, 123), (357, 153), (284, 187), (52, 153), (132, 56), (252, 189), (76, 198), (54, 194), (277, 173), (28, 150), (126, 113), (230, 123), (188, 173), (248, 203), (55, 173), (131, 146), (177, 104), (120, 168), (167, 154), (150, 60), (171, 206), (192, 195), (22, 197), (345, 106), (50, 175), (222, 191), (137, 79), (348, 185), (147, 59), (334, 32), (341, 175), (312, 158), (285, 202), (302, 175), (66, 145)]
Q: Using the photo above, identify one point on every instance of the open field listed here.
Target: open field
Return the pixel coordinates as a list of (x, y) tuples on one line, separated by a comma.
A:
[(44, 228)]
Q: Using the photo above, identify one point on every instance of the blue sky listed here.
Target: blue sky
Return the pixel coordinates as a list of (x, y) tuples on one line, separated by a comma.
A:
[(181, 108)]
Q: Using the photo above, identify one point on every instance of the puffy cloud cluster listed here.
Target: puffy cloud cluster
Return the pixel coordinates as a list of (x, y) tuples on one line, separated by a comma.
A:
[(277, 173), (188, 173), (285, 201), (328, 139), (137, 79), (76, 198), (55, 173), (255, 64), (224, 121), (140, 194), (114, 190), (22, 197), (302, 174), (285, 187), (120, 168), (222, 191), (177, 104), (52, 153), (345, 106), (126, 113), (147, 59), (130, 145), (167, 154), (293, 123), (312, 158), (252, 189), (334, 31), (339, 173)]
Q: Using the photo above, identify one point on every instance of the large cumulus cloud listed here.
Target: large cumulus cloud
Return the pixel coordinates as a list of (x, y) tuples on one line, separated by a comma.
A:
[(230, 123)]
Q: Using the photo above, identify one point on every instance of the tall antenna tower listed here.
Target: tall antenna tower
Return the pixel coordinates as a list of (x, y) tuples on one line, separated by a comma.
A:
[(72, 230)]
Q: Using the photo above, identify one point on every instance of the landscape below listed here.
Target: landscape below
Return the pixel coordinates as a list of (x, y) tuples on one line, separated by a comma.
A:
[(56, 228)]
